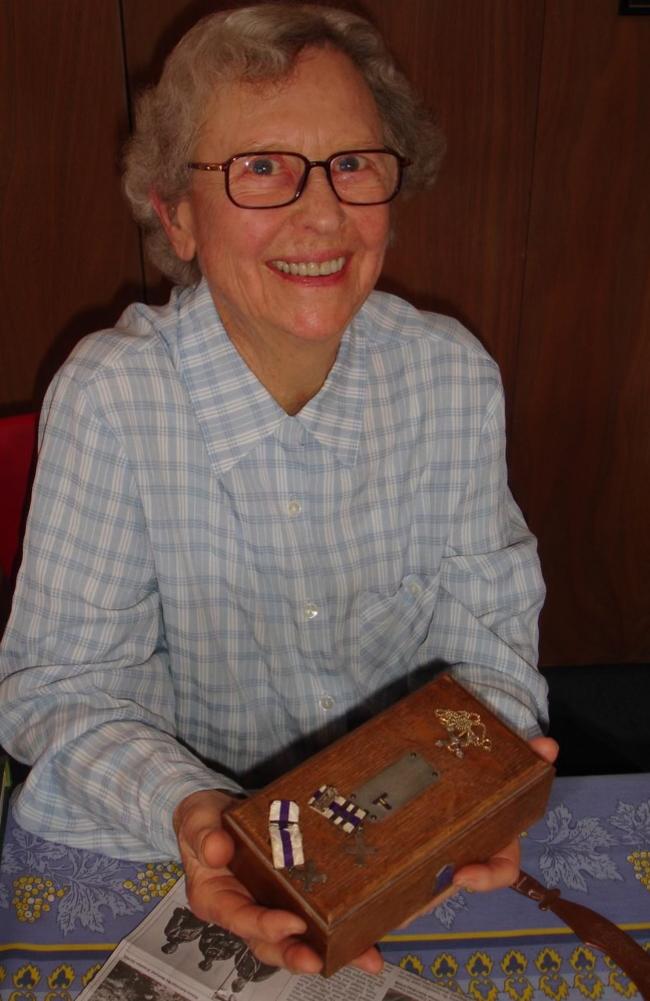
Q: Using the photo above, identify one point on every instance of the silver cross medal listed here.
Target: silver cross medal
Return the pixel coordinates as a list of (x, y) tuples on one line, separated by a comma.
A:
[(307, 874), (358, 847)]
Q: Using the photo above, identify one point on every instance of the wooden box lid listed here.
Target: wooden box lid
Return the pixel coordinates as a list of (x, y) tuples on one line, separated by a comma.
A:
[(468, 801)]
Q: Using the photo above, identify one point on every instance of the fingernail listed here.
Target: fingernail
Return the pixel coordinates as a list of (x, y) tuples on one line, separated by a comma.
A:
[(296, 928)]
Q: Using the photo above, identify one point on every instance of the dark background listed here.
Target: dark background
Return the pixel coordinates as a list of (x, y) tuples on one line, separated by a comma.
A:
[(537, 236)]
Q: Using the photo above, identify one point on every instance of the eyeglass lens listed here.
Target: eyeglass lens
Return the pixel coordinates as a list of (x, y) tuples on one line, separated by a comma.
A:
[(265, 180)]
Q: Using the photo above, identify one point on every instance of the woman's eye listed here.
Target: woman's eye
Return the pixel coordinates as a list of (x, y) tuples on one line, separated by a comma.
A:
[(350, 164), (263, 166)]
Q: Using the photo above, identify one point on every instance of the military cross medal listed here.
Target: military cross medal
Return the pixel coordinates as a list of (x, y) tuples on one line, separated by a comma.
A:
[(357, 846), (307, 874)]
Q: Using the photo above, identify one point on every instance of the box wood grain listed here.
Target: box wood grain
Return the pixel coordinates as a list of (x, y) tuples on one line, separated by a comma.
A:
[(476, 805)]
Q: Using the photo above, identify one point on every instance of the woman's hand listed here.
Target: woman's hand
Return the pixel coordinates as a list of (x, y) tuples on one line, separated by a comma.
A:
[(215, 895), (503, 868)]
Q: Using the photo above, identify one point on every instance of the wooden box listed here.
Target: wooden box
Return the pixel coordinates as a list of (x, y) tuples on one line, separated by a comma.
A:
[(466, 802)]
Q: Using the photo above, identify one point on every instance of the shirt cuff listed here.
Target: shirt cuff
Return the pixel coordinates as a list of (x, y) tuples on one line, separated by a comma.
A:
[(169, 794)]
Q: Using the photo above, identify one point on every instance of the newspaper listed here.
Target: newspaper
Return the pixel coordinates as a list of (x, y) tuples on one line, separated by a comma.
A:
[(173, 956)]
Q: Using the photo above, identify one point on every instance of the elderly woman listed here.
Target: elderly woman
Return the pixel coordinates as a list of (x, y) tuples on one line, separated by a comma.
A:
[(268, 508)]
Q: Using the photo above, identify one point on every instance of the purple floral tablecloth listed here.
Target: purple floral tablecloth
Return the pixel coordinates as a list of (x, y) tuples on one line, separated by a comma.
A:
[(63, 910)]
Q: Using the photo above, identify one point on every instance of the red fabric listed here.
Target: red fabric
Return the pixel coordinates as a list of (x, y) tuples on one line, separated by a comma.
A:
[(17, 449)]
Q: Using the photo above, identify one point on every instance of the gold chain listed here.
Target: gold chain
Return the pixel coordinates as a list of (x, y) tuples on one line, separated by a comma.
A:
[(465, 730)]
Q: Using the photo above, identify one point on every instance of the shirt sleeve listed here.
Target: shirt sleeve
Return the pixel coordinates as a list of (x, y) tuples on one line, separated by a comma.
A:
[(491, 591), (86, 693)]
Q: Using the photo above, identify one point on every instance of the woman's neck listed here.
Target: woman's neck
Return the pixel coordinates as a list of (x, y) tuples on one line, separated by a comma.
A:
[(292, 371)]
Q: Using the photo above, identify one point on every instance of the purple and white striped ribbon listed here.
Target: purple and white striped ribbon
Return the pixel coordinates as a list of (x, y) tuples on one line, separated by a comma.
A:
[(342, 812), (283, 812), (284, 832)]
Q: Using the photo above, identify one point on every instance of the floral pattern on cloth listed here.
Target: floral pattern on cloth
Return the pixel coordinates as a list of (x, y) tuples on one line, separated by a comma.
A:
[(78, 887), (578, 849), (593, 843), (513, 974), (62, 983)]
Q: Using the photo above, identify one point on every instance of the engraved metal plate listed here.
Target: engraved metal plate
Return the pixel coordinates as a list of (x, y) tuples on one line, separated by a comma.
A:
[(395, 786)]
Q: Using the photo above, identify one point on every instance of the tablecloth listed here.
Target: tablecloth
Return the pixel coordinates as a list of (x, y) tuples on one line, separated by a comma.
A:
[(63, 910)]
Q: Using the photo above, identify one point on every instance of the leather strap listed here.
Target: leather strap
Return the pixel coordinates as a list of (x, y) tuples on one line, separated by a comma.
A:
[(594, 929)]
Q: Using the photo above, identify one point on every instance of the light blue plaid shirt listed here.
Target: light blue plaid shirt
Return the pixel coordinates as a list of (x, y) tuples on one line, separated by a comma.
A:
[(206, 577)]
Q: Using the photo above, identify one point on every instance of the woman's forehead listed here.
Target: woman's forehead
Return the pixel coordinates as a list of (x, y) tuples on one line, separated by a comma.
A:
[(324, 99)]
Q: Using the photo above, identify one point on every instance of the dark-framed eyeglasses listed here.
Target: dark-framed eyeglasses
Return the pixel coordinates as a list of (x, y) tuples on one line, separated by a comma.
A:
[(269, 179)]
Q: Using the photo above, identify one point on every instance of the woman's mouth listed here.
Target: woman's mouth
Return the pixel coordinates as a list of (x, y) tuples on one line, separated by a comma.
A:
[(310, 269)]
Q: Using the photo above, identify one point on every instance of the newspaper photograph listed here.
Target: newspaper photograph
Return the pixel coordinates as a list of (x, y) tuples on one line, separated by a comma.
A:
[(174, 956)]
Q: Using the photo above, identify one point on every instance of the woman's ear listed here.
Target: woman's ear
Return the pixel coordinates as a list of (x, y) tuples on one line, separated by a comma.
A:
[(176, 220)]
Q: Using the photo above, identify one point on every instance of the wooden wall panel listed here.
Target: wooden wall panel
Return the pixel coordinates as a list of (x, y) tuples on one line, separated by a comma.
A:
[(460, 248), (150, 32), (580, 442), (69, 254)]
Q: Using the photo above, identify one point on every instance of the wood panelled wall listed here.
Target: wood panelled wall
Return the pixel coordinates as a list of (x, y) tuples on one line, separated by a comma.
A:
[(537, 236), (69, 253), (580, 442)]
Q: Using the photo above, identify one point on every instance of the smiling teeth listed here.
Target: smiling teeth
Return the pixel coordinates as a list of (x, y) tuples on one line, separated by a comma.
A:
[(310, 268)]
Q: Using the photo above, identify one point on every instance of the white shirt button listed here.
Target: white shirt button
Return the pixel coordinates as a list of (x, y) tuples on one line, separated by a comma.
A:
[(326, 702), (294, 507), (415, 588), (311, 610)]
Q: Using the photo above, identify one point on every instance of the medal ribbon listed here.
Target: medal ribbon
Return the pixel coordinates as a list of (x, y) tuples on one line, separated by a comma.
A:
[(284, 832)]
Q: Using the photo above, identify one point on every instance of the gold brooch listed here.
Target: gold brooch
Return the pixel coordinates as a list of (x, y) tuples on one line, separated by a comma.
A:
[(464, 729)]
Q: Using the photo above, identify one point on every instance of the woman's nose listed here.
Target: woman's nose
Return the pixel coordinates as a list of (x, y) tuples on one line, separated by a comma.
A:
[(318, 202)]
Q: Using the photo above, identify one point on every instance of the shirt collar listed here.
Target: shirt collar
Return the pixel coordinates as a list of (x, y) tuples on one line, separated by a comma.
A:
[(235, 411)]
